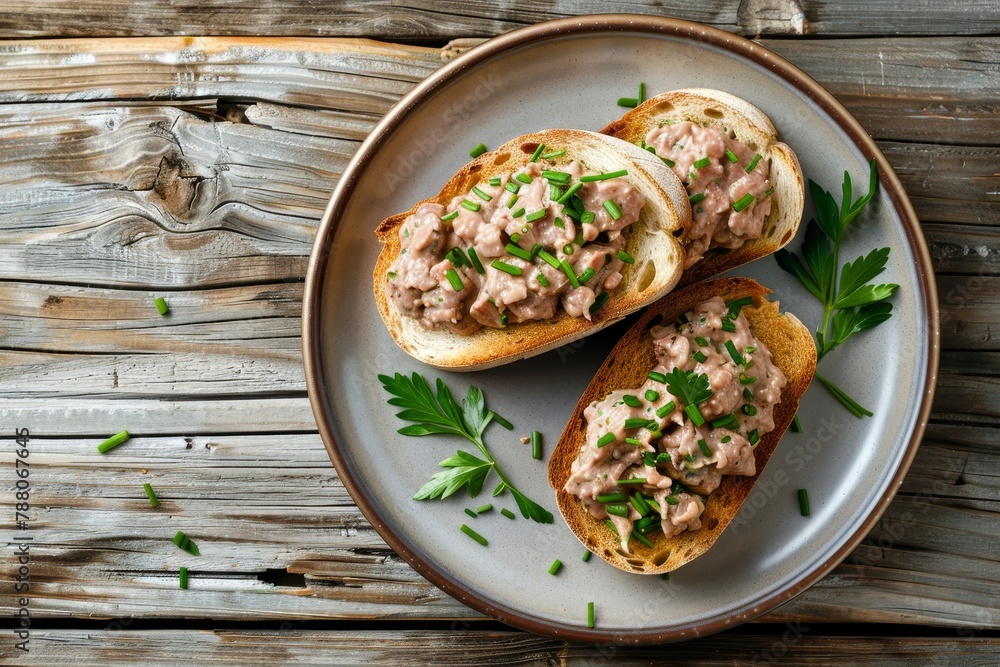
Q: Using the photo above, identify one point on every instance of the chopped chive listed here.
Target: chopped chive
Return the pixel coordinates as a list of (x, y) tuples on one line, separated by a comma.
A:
[(555, 153), (701, 162), (518, 251), (728, 325), (535, 249), (584, 277), (736, 306), (590, 605), (542, 280), (751, 349), (184, 542), (603, 177), (470, 205), (474, 535), (569, 193), (568, 249), (753, 163), (612, 208), (632, 401), (560, 177), (651, 395), (703, 446), (556, 565), (495, 181), (587, 217), (636, 422), (657, 377), (639, 537), (112, 442), (804, 502), (743, 202), (665, 410), (732, 156), (699, 356), (458, 257), (549, 259), (512, 187), (726, 439), (482, 195), (611, 498), (694, 414), (392, 274), (571, 212), (507, 513), (768, 192), (696, 197), (511, 201), (518, 213), (668, 162), (579, 239), (747, 395), (484, 508), (639, 504), (747, 379), (634, 441), (586, 556), (702, 341), (611, 526), (618, 509), (725, 421), (536, 445), (558, 222), (625, 257), (478, 150), (456, 282), (503, 422), (753, 437), (471, 513), (514, 238), (665, 576), (568, 270), (161, 305), (505, 267), (605, 439), (735, 354), (749, 410), (524, 178), (449, 216), (182, 578), (796, 426), (642, 93), (673, 500), (475, 261), (537, 153), (537, 215), (153, 500), (630, 102)]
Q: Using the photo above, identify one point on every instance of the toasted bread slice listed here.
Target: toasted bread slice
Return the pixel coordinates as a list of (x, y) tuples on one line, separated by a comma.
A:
[(792, 348), (748, 124), (653, 241)]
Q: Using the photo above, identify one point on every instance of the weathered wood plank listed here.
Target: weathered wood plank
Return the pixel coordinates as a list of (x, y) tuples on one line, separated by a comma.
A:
[(441, 20), (461, 646)]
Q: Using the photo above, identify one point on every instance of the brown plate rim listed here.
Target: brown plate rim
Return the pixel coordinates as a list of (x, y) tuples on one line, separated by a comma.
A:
[(312, 302)]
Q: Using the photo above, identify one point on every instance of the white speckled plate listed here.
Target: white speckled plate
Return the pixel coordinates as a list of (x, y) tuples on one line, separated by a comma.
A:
[(570, 73)]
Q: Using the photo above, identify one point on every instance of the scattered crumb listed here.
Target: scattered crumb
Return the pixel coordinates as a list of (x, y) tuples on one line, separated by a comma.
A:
[(143, 471), (525, 440)]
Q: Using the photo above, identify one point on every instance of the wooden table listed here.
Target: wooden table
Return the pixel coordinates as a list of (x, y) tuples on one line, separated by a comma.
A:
[(140, 159)]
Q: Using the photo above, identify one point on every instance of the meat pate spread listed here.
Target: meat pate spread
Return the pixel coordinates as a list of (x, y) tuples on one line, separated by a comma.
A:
[(515, 248), (728, 184), (652, 455)]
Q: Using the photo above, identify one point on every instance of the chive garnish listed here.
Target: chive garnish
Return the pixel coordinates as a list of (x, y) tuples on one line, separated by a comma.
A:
[(611, 498), (471, 513), (586, 556), (625, 257), (478, 150), (512, 187), (568, 270), (651, 395), (392, 274), (631, 401), (735, 354), (474, 257), (699, 356), (590, 605), (474, 535), (736, 306), (184, 543), (518, 213), (556, 564), (484, 508), (537, 215), (618, 509), (726, 439), (657, 377), (804, 502), (747, 395), (558, 222), (182, 578), (579, 239), (725, 421), (728, 325), (732, 156), (642, 538), (505, 267), (665, 576), (634, 441), (503, 319), (511, 201), (605, 439), (553, 154), (524, 178), (482, 195), (470, 205), (749, 410), (161, 305), (586, 275), (612, 208), (559, 177), (696, 197), (568, 249), (507, 513), (112, 442), (753, 163), (630, 102), (549, 259), (665, 410), (495, 181), (639, 504), (536, 445), (753, 437), (751, 349), (449, 216), (768, 192), (694, 414), (636, 422), (703, 342), (587, 217), (153, 500), (457, 257), (703, 446), (569, 193), (747, 379), (672, 500), (743, 202), (542, 280), (456, 282), (796, 426), (518, 251), (537, 153), (668, 162), (701, 162), (603, 177)]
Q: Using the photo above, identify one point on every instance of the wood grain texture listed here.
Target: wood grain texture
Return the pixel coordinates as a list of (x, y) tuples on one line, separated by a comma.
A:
[(424, 19), (796, 644)]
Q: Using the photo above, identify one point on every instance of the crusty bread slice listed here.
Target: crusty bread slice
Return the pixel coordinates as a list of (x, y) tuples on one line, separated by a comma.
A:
[(792, 348), (746, 123), (652, 241)]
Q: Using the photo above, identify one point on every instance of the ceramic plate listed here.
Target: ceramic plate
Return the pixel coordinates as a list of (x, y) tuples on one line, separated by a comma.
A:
[(570, 73)]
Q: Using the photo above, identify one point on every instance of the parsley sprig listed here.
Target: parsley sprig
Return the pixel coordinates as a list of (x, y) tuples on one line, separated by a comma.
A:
[(851, 304), (692, 388), (440, 413)]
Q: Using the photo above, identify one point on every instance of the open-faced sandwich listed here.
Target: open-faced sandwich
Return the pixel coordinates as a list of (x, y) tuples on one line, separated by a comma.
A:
[(549, 238), (672, 433), (745, 187)]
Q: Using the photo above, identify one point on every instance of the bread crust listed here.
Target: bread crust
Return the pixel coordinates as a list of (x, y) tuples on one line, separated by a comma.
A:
[(747, 123), (794, 352), (654, 241)]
